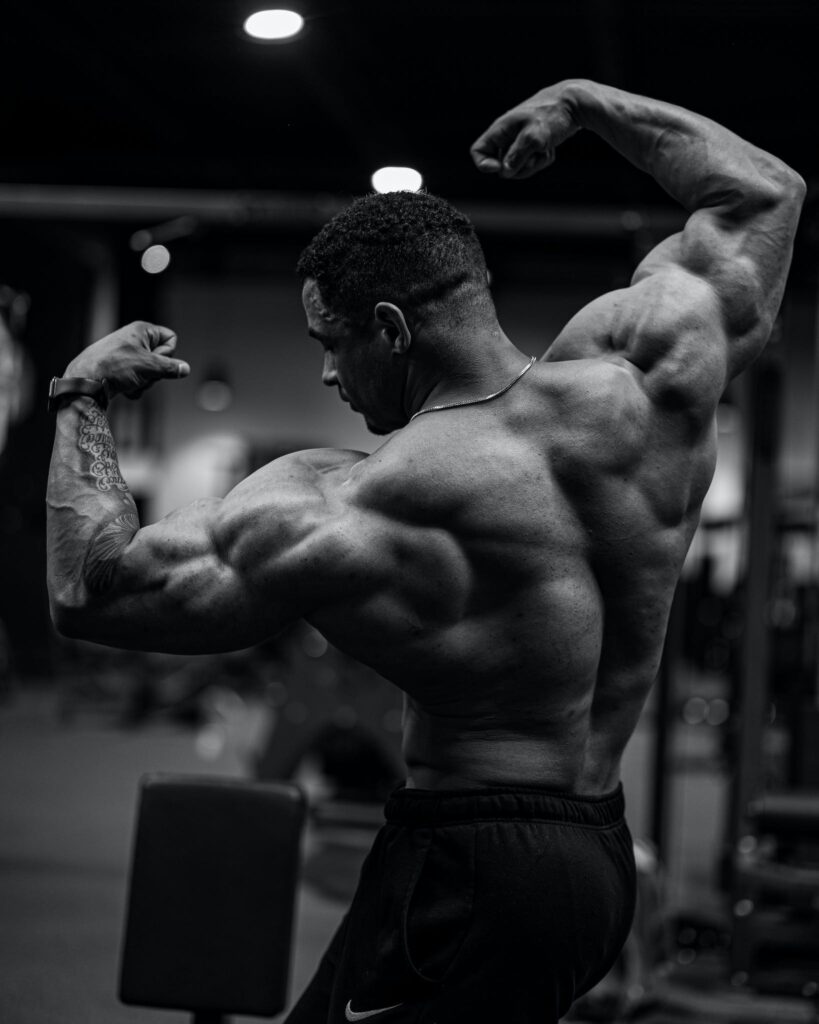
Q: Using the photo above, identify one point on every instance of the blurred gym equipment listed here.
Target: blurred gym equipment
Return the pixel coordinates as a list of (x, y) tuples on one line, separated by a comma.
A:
[(771, 871), (211, 897), (775, 945)]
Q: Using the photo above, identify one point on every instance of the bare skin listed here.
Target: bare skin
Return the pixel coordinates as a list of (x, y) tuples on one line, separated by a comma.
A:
[(509, 565)]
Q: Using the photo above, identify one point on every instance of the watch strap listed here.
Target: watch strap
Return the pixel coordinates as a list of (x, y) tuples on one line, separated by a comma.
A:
[(67, 387)]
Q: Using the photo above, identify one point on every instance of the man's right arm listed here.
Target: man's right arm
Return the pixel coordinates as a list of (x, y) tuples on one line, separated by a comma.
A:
[(716, 285), (743, 203)]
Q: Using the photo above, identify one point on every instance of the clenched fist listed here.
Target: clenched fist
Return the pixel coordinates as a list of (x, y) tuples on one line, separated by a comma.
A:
[(131, 359), (523, 140)]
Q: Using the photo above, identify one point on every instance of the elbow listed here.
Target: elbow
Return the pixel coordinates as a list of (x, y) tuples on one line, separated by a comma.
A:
[(792, 192), (69, 614), (788, 189), (797, 188), (65, 620), (780, 189), (66, 626)]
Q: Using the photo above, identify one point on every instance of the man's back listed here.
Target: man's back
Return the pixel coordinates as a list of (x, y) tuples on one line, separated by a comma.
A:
[(528, 555)]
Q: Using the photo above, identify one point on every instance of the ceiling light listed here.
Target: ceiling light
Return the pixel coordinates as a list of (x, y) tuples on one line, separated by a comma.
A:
[(274, 24), (155, 259), (397, 179)]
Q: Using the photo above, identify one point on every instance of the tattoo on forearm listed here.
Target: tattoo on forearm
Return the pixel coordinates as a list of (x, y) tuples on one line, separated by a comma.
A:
[(104, 551), (97, 441)]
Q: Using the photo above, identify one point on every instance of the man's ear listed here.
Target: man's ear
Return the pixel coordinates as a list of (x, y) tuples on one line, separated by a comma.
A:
[(393, 325)]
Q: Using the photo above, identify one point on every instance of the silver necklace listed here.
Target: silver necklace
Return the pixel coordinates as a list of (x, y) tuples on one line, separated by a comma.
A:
[(477, 401)]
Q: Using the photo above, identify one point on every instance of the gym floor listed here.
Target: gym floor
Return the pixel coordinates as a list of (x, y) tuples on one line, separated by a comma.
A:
[(68, 791)]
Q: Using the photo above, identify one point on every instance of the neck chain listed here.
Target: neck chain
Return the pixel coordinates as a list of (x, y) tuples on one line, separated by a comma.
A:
[(477, 401)]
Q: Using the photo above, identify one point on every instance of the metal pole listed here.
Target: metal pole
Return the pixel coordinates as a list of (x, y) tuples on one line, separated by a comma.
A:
[(149, 206), (663, 726), (813, 622), (765, 386)]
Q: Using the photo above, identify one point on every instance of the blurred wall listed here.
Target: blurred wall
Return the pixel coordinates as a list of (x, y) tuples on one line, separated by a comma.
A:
[(255, 329), (252, 329)]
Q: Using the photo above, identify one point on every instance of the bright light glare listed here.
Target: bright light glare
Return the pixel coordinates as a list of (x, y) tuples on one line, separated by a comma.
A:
[(274, 24), (155, 259), (397, 179)]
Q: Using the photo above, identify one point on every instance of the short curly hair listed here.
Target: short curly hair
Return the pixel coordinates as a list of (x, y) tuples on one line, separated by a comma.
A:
[(411, 248)]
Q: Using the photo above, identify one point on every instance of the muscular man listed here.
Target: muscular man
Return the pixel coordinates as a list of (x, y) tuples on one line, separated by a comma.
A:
[(507, 558)]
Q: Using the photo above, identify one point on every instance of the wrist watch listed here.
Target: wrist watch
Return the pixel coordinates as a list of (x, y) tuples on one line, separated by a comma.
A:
[(67, 387)]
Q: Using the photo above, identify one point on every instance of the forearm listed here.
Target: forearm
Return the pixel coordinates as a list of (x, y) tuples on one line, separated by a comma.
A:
[(91, 513), (164, 587), (697, 161)]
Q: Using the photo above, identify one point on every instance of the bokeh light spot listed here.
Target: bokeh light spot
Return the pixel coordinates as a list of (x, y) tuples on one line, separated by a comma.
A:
[(155, 259)]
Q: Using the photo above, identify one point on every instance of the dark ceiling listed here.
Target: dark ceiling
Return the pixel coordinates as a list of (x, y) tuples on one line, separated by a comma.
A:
[(172, 93)]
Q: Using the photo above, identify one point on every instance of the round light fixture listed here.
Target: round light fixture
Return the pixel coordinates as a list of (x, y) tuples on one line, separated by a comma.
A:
[(397, 179), (273, 25)]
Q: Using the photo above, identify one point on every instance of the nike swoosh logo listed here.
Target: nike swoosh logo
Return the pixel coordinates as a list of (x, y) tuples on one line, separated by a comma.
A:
[(353, 1015)]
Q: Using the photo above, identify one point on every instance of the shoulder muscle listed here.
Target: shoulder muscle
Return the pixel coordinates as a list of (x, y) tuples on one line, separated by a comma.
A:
[(669, 325), (668, 329), (281, 521)]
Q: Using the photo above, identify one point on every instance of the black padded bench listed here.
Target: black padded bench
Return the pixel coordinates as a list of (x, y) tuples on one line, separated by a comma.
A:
[(211, 898)]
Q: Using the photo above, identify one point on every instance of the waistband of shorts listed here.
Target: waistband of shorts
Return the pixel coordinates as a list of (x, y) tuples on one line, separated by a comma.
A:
[(429, 807)]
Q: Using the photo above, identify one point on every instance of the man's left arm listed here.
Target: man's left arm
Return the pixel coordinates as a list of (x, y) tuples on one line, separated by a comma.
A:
[(91, 514), (178, 585)]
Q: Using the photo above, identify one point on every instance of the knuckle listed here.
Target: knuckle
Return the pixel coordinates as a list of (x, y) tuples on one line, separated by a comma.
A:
[(535, 134)]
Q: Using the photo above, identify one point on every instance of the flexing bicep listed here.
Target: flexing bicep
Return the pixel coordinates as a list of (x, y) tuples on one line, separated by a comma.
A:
[(701, 304), (170, 586), (223, 574)]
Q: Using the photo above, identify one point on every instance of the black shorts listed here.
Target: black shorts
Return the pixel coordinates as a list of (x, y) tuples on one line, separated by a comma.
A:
[(480, 905)]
